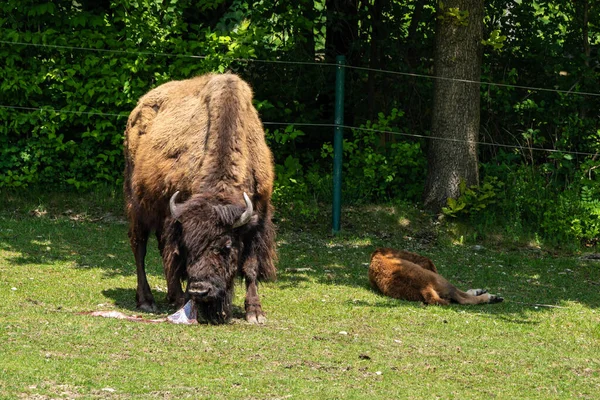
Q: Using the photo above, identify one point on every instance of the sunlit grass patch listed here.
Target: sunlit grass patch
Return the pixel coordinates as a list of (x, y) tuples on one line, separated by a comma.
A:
[(328, 335)]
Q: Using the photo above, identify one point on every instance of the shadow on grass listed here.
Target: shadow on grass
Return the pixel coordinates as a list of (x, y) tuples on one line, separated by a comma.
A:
[(529, 281), (124, 298), (309, 253), (84, 245)]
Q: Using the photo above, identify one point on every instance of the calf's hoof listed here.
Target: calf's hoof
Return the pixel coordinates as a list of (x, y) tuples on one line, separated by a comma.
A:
[(495, 299)]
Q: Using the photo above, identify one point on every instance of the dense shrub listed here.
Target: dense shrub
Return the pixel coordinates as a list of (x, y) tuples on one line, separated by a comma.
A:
[(47, 70), (524, 200), (73, 70), (376, 167)]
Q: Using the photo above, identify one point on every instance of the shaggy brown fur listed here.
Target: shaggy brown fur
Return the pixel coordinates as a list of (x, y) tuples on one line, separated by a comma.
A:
[(203, 138), (410, 276)]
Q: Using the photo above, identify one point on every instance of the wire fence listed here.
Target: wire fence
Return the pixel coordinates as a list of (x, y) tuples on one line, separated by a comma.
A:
[(313, 63), (319, 64), (331, 125)]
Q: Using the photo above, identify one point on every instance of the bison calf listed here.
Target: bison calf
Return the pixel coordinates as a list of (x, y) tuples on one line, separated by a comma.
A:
[(409, 276), (199, 174)]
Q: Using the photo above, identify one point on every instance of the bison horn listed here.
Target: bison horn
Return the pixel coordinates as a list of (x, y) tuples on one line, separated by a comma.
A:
[(173, 206), (247, 215)]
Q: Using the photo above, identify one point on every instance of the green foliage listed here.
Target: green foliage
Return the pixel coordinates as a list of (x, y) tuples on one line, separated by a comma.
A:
[(457, 16), (136, 45), (291, 191), (530, 201), (283, 142), (474, 199), (80, 146), (375, 169), (453, 14), (495, 40), (585, 225)]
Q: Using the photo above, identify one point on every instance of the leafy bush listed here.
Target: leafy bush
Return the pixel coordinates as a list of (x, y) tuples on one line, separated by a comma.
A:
[(474, 199), (292, 192), (522, 200), (375, 169), (81, 146)]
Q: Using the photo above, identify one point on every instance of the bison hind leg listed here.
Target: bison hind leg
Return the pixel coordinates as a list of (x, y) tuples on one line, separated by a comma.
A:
[(138, 237), (430, 296)]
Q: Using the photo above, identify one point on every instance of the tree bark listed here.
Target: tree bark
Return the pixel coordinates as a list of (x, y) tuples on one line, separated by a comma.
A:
[(452, 149)]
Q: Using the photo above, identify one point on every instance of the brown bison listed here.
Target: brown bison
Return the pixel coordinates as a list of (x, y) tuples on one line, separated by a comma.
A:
[(409, 276), (199, 174)]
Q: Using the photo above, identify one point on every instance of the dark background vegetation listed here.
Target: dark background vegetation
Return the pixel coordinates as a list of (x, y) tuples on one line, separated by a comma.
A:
[(72, 70)]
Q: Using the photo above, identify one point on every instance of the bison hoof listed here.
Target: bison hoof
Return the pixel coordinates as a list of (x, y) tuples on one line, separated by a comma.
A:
[(148, 307), (255, 316), (256, 319)]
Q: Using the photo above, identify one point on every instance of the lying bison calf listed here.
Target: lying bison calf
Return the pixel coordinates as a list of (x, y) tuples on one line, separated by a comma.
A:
[(409, 276)]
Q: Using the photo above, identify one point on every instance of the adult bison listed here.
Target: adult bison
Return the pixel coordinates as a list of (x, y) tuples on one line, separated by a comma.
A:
[(199, 174), (409, 276)]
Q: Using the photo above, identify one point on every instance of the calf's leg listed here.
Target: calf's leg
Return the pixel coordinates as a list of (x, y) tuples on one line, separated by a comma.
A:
[(475, 296), (430, 296)]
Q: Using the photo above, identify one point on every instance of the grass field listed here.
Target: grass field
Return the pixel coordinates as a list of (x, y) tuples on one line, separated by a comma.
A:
[(328, 335)]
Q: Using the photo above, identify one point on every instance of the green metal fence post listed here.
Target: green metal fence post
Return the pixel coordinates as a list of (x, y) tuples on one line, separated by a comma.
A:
[(337, 142)]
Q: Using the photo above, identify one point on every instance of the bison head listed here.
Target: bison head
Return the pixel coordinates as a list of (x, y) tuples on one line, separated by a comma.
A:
[(209, 242)]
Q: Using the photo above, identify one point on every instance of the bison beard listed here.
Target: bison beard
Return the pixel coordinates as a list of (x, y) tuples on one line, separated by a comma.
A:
[(199, 173)]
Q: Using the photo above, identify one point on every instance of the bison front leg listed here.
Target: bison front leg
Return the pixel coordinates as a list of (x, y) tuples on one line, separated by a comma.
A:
[(138, 238), (254, 312), (173, 266)]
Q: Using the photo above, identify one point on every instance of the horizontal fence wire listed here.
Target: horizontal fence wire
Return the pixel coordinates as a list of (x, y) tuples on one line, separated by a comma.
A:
[(320, 64), (332, 125)]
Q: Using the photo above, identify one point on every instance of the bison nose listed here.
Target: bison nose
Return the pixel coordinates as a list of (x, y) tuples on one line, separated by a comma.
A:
[(199, 289)]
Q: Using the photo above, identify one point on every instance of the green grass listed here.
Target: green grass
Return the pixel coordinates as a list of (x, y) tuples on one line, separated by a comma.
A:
[(329, 336)]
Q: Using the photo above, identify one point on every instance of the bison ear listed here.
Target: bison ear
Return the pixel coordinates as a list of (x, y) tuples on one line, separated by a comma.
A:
[(175, 209)]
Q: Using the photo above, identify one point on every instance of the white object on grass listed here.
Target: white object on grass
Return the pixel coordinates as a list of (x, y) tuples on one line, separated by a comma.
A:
[(188, 314)]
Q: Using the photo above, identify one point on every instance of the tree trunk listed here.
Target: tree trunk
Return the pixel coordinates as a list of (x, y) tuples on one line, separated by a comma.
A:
[(452, 149)]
